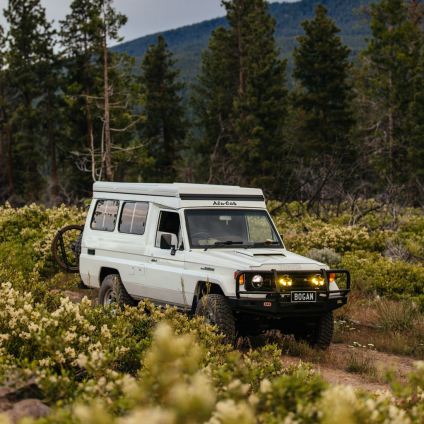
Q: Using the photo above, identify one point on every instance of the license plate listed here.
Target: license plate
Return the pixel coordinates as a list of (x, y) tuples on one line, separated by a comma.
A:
[(303, 297)]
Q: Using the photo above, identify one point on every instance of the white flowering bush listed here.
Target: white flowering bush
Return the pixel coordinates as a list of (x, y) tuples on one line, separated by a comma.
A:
[(174, 387), (26, 235), (144, 364)]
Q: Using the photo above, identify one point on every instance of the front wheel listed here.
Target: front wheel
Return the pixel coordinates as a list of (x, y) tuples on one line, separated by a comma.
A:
[(321, 335), (217, 311)]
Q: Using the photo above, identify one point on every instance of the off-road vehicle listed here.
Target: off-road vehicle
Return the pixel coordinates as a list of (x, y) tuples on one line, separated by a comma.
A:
[(208, 250)]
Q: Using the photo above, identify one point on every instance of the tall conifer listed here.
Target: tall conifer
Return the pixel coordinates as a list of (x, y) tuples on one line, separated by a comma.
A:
[(27, 37), (165, 126), (324, 95), (80, 37), (386, 82), (240, 99)]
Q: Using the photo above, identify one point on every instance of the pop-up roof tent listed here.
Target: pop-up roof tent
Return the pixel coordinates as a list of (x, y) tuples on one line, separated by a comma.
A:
[(179, 195)]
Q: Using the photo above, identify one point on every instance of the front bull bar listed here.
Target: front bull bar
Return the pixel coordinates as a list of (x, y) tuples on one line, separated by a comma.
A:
[(274, 273)]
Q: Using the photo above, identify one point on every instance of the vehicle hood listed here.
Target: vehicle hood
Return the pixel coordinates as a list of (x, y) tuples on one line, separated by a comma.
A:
[(245, 259)]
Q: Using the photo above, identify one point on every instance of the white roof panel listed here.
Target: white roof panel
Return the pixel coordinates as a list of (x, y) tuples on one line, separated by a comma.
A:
[(184, 191)]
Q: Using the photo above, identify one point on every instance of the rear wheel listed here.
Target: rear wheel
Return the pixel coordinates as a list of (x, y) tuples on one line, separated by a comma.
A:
[(321, 335), (113, 291), (217, 311)]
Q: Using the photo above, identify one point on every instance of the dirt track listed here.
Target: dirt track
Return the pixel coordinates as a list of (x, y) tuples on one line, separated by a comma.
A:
[(334, 373)]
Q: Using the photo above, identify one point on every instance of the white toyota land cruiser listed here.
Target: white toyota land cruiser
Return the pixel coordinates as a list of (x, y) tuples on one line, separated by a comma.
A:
[(178, 243)]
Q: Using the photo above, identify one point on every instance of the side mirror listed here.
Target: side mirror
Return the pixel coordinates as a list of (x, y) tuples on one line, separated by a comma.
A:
[(282, 237), (166, 243)]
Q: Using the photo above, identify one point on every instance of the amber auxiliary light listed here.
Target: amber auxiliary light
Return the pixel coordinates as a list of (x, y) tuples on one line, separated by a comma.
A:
[(286, 281), (318, 280)]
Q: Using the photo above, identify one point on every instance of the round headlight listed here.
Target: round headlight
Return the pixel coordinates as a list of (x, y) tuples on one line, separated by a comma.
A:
[(257, 281)]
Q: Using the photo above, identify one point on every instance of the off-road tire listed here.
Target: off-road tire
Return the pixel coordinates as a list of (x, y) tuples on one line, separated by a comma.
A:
[(56, 244), (321, 335), (112, 290), (216, 309)]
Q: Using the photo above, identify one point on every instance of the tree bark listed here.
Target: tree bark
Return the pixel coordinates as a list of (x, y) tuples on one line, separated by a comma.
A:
[(55, 188), (109, 174)]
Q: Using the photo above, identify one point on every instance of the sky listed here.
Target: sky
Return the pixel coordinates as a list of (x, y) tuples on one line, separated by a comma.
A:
[(145, 16)]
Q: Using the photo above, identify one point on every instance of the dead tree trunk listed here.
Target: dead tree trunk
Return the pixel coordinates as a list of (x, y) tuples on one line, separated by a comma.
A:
[(109, 174)]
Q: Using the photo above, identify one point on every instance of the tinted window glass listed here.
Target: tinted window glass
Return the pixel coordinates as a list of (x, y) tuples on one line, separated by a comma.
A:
[(133, 218), (105, 215), (244, 227), (169, 222)]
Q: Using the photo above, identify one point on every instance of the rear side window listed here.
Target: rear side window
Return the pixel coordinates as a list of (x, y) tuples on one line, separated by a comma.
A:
[(133, 218), (105, 215)]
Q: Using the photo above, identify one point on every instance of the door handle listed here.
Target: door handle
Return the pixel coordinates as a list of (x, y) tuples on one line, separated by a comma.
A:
[(154, 260)]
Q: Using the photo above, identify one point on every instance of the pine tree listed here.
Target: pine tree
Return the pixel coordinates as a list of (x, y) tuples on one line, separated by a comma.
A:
[(415, 120), (27, 35), (81, 38), (165, 126), (6, 171), (105, 84), (386, 82), (240, 99), (324, 92), (49, 68), (109, 24)]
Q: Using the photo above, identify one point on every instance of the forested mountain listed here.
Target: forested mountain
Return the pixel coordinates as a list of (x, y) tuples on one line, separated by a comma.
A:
[(187, 43)]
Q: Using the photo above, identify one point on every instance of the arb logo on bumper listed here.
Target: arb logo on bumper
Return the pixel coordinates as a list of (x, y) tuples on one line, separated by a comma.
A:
[(267, 304)]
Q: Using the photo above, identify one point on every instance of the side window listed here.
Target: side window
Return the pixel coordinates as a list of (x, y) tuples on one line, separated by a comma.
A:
[(133, 218), (169, 223), (105, 215)]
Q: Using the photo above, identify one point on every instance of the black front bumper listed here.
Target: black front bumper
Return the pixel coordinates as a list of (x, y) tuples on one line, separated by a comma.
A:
[(277, 304)]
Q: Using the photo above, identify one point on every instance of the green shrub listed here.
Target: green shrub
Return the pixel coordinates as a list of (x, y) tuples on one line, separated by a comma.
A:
[(26, 235), (338, 238), (326, 256), (172, 388), (381, 276)]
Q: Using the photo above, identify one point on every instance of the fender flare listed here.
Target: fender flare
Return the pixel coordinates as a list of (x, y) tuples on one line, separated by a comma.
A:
[(201, 289)]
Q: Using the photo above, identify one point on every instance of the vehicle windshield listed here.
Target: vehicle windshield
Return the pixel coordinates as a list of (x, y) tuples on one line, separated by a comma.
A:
[(241, 227)]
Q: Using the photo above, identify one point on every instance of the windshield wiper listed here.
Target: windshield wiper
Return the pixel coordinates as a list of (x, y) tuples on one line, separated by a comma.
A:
[(223, 243), (265, 243)]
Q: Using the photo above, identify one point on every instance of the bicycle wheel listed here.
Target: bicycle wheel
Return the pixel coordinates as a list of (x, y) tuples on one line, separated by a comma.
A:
[(64, 247)]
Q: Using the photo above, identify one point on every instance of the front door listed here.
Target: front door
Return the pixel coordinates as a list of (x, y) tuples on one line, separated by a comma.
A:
[(165, 269)]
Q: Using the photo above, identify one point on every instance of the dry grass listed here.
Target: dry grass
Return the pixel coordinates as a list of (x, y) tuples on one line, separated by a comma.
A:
[(360, 363), (391, 327)]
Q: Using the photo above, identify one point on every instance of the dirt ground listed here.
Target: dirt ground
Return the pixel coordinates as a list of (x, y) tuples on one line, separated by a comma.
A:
[(334, 373), (333, 370)]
